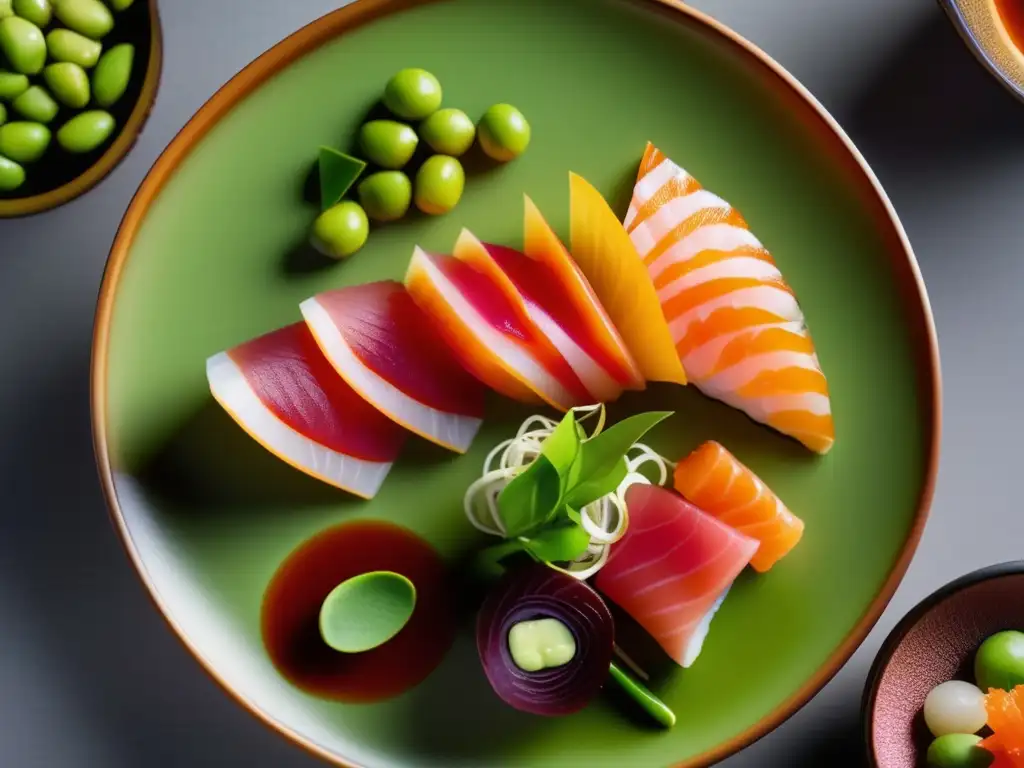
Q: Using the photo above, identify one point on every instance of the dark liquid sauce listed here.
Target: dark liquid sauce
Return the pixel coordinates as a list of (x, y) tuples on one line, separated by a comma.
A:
[(1012, 14), (291, 611)]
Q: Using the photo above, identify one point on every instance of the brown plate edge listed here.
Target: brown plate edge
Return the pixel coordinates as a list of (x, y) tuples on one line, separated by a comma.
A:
[(362, 12), (908, 622), (109, 160)]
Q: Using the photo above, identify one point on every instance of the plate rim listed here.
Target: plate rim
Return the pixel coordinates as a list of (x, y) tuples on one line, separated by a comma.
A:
[(358, 13)]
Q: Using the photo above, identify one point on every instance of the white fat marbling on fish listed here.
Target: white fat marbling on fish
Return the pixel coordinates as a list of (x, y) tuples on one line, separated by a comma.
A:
[(700, 362), (770, 298), (710, 237), (513, 357), (737, 376), (231, 389), (670, 215), (737, 266), (649, 185), (451, 430)]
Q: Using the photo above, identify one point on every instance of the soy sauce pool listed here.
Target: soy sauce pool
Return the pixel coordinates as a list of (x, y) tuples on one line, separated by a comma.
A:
[(291, 610)]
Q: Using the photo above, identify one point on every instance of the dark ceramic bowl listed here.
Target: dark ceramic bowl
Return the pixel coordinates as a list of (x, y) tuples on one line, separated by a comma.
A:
[(933, 643), (982, 29)]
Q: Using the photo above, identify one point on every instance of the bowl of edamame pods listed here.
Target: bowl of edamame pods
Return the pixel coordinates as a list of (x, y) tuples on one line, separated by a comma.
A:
[(77, 82)]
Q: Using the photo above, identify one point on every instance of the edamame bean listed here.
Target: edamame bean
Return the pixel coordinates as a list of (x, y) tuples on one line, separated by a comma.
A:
[(86, 131), (439, 184), (68, 83), (341, 230), (504, 133), (23, 44), (448, 132), (24, 142), (387, 143), (12, 175), (65, 45), (413, 94), (958, 750), (89, 17), (120, 5), (386, 195), (39, 12), (110, 78), (12, 85), (36, 104)]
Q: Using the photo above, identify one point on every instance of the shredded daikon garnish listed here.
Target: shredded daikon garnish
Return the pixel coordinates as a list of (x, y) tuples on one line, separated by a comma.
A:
[(605, 520)]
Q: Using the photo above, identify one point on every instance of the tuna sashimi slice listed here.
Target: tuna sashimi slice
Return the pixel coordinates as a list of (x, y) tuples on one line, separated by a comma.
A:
[(281, 390), (384, 347), (532, 287), (735, 321), (718, 483), (489, 335), (672, 569)]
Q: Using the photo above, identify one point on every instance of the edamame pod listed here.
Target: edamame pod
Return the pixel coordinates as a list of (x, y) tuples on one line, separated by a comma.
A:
[(23, 44), (24, 142), (39, 12), (85, 132), (111, 76), (12, 175), (68, 83), (12, 85), (36, 104), (89, 17), (65, 45)]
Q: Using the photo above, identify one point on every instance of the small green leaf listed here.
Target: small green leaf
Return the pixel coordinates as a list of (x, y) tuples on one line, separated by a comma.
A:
[(530, 498), (338, 172), (600, 486), (600, 459), (559, 544), (562, 447), (366, 611)]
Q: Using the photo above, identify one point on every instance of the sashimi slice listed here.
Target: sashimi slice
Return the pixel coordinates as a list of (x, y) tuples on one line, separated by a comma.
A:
[(570, 286), (281, 390), (718, 483), (735, 322), (382, 345), (530, 287), (607, 257), (489, 335), (1006, 719), (672, 569)]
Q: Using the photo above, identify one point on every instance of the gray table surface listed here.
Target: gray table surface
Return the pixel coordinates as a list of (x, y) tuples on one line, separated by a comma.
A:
[(90, 676)]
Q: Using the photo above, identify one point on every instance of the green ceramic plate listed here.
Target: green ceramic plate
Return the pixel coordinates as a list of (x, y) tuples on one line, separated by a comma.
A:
[(208, 257)]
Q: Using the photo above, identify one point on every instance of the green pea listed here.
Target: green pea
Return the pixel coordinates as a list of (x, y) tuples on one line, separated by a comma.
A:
[(24, 142), (86, 131), (504, 132), (12, 175), (36, 104), (439, 184), (12, 85), (387, 143), (413, 94), (39, 12), (23, 44), (341, 230), (69, 83), (89, 17), (120, 5), (448, 132), (6, 9), (386, 195), (110, 78), (958, 750), (999, 662), (65, 45)]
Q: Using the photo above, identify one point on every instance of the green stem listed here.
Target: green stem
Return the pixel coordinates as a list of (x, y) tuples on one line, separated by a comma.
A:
[(487, 565), (650, 703)]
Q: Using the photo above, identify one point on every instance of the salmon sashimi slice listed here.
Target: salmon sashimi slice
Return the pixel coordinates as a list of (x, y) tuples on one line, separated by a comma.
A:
[(383, 346), (607, 257), (734, 320), (718, 483), (531, 286), (571, 290), (673, 568), (490, 335), (281, 390)]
